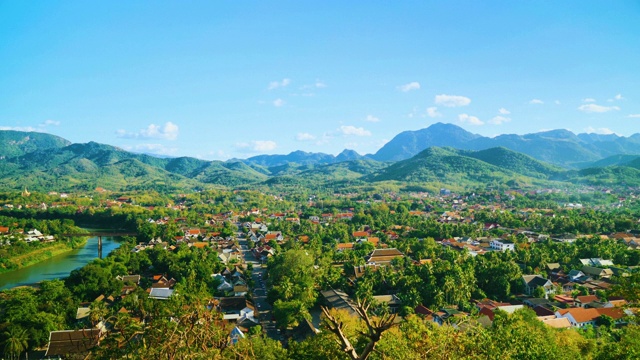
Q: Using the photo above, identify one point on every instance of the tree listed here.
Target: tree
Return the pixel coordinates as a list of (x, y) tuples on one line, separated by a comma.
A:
[(98, 312), (375, 328), (17, 341)]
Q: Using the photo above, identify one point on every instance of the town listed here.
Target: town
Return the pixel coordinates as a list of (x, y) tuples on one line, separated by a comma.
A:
[(234, 272)]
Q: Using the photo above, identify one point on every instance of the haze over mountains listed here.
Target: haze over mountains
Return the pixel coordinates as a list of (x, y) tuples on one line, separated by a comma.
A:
[(442, 154)]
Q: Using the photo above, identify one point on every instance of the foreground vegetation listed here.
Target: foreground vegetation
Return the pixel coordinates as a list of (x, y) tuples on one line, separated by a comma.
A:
[(308, 260)]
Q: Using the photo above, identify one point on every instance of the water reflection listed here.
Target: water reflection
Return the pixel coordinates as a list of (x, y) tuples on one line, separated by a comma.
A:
[(59, 266)]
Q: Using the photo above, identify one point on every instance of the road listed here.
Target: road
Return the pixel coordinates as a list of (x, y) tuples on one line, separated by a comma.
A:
[(259, 292)]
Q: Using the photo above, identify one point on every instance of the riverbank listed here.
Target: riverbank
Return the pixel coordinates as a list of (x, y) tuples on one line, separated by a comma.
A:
[(59, 266), (39, 255)]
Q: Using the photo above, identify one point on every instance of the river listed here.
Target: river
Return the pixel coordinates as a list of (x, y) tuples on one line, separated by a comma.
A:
[(58, 266)]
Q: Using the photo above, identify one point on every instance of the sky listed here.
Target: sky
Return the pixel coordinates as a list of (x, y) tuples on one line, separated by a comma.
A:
[(233, 79)]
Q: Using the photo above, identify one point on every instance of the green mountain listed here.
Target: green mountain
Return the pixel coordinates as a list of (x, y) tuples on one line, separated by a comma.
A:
[(559, 147), (228, 174), (86, 166), (620, 159), (18, 143), (460, 168), (515, 161), (604, 176)]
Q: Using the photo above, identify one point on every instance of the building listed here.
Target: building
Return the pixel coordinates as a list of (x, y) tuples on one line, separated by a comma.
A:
[(502, 245)]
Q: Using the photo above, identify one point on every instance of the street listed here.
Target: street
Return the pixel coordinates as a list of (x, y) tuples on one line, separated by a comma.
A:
[(259, 292)]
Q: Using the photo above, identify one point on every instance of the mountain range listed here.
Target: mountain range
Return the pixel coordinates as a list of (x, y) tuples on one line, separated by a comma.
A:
[(440, 154)]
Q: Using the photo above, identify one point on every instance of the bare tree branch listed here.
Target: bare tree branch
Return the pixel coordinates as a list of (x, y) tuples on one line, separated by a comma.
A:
[(375, 328)]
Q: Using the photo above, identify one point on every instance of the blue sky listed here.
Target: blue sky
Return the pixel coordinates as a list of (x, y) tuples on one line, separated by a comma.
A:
[(224, 79)]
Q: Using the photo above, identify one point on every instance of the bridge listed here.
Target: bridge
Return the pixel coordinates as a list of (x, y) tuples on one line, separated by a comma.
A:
[(100, 234)]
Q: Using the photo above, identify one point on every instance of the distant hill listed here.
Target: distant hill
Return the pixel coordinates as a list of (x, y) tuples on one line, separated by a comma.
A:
[(517, 162), (86, 166), (49, 163), (612, 160), (17, 143), (459, 167), (409, 143), (302, 158), (604, 176), (559, 147)]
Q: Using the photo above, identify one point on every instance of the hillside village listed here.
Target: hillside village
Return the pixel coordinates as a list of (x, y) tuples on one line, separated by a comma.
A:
[(356, 248)]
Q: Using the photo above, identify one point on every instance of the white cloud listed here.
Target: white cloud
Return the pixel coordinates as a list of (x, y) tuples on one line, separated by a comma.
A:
[(465, 118), (432, 112), (593, 108), (278, 102), (499, 120), (409, 87), (557, 102), (504, 111), (257, 146), (278, 84), (588, 100), (50, 123), (635, 116), (601, 131), (18, 128), (536, 102), (352, 130), (305, 137), (619, 97), (371, 118), (154, 149), (168, 131), (318, 84), (452, 100), (40, 128)]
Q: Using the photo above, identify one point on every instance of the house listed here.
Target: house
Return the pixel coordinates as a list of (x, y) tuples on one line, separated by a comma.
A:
[(359, 270), (235, 335), (424, 312), (558, 323), (160, 293), (338, 299), (72, 342), (383, 256), (360, 234), (596, 262), (580, 317), (393, 302), (502, 245), (83, 313), (582, 301), (573, 275), (344, 246), (131, 279), (237, 309), (448, 315), (531, 282), (597, 272)]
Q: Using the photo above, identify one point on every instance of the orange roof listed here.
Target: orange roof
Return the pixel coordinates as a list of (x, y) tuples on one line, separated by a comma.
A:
[(200, 245), (194, 232), (581, 315), (271, 236), (304, 238), (4, 229), (560, 323), (345, 246), (615, 313), (374, 240), (360, 234)]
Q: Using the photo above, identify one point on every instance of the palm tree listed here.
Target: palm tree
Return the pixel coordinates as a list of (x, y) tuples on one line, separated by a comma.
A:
[(98, 312), (17, 341)]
